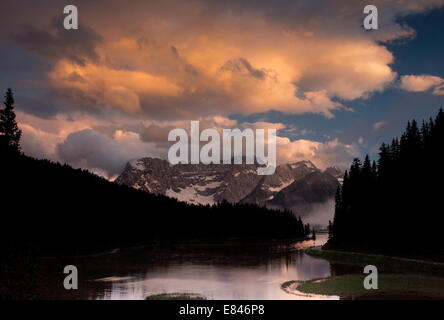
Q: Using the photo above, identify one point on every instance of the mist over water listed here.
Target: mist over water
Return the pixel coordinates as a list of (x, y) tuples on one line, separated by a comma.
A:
[(320, 214)]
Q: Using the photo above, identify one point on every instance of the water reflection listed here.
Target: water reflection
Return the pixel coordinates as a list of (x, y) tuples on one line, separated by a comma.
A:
[(233, 272)]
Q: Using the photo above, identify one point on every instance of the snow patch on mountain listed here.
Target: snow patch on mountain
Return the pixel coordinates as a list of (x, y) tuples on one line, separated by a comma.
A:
[(137, 165), (209, 184), (282, 186), (190, 195)]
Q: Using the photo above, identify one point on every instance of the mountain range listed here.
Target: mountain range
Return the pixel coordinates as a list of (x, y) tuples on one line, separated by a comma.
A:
[(299, 186)]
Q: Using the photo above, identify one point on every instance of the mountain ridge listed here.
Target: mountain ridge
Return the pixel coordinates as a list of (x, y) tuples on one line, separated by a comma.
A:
[(236, 183)]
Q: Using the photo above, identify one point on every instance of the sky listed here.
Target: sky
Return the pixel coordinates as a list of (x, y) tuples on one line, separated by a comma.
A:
[(111, 91)]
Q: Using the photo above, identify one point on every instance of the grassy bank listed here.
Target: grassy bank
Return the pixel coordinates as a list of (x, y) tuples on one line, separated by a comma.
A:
[(391, 286), (383, 263), (398, 278)]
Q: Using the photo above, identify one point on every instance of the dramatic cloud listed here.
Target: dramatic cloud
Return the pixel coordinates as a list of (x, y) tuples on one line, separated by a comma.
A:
[(111, 90), (173, 61), (84, 142), (41, 136), (322, 154), (421, 83), (156, 133), (105, 150), (38, 143), (56, 43), (102, 87), (108, 156)]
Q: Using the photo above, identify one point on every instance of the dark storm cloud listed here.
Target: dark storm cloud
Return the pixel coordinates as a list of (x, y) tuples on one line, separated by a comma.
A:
[(57, 43), (95, 150), (175, 52), (188, 68), (39, 105), (243, 66), (155, 133)]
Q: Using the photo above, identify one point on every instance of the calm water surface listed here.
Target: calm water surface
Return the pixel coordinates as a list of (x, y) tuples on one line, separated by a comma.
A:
[(214, 271)]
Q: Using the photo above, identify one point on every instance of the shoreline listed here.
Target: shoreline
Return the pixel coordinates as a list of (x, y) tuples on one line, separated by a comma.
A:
[(399, 278), (192, 243), (349, 287), (384, 263)]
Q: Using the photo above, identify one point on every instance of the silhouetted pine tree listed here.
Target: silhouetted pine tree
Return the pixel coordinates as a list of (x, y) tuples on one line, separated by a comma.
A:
[(10, 133), (330, 229)]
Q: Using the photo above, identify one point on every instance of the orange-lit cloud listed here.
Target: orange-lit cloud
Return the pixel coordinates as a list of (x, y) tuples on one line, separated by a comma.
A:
[(137, 68), (172, 61), (322, 154), (223, 72), (421, 83)]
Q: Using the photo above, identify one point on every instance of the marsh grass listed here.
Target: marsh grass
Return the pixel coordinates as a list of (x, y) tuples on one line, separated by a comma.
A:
[(387, 264), (393, 285), (175, 296)]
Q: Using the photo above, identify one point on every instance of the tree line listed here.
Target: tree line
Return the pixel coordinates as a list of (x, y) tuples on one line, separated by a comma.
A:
[(394, 205)]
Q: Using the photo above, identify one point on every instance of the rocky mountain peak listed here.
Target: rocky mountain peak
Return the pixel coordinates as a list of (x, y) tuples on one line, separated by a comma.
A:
[(208, 184)]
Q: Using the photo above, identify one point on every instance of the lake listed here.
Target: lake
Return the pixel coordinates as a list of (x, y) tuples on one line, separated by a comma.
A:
[(227, 270)]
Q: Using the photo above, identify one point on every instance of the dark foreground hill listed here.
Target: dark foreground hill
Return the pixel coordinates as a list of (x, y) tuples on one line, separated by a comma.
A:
[(56, 209)]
